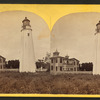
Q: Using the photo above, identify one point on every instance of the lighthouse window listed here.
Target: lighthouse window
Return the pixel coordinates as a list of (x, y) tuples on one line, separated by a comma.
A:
[(28, 34)]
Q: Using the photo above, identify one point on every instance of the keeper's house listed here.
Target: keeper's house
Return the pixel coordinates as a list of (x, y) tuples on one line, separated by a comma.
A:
[(2, 62), (63, 64)]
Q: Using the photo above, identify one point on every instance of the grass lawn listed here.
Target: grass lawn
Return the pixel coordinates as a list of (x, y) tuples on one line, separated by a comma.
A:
[(44, 83)]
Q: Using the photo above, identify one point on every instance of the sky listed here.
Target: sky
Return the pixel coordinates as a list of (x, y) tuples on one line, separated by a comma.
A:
[(73, 35), (10, 34)]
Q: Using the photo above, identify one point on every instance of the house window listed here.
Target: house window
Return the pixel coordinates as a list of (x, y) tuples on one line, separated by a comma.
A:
[(0, 66), (77, 63), (74, 69), (51, 60), (67, 61), (56, 60), (28, 34), (60, 60), (71, 69), (56, 68), (0, 60), (51, 67), (60, 68)]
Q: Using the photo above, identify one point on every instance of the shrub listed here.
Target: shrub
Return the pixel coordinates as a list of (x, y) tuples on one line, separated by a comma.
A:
[(15, 82)]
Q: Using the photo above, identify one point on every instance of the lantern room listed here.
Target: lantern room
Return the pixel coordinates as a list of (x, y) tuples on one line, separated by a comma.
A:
[(26, 22), (98, 27)]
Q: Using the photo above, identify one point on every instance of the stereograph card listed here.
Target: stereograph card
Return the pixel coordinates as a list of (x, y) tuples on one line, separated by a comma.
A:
[(50, 50)]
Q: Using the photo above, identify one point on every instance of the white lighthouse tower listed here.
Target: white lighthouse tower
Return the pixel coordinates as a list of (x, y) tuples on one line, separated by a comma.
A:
[(27, 63), (96, 67)]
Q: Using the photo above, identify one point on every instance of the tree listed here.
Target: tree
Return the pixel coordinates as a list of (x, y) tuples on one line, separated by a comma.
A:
[(86, 66), (13, 64), (42, 64)]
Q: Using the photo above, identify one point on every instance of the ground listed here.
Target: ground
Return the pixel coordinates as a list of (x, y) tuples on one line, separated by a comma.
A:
[(44, 83)]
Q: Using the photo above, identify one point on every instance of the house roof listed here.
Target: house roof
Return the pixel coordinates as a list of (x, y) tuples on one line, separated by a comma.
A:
[(56, 57), (98, 23), (64, 58), (2, 57), (56, 52), (73, 59)]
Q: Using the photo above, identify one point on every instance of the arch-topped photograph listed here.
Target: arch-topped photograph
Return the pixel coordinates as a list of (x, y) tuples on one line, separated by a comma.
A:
[(18, 43), (74, 35), (37, 60)]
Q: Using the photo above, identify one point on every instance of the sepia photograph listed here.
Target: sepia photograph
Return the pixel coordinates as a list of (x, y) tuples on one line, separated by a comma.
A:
[(48, 52)]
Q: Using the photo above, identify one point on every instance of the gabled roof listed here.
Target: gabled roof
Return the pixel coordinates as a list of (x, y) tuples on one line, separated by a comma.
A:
[(56, 57), (2, 57), (98, 23), (73, 59)]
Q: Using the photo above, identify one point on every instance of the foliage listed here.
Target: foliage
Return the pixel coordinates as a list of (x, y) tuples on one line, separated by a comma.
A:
[(13, 64), (42, 64), (87, 66), (44, 83)]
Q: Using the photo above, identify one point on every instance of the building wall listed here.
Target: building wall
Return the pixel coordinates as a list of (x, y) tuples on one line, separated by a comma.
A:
[(27, 61), (62, 66), (57, 65), (2, 63), (71, 67)]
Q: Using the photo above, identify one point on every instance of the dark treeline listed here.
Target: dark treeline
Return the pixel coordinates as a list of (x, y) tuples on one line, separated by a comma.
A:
[(15, 64), (40, 64), (12, 64), (86, 66)]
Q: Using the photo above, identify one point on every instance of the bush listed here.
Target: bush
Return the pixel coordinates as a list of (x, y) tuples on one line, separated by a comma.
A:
[(44, 83)]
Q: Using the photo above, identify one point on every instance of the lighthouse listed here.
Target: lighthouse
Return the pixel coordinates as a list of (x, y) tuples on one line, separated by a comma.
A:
[(27, 63), (96, 68)]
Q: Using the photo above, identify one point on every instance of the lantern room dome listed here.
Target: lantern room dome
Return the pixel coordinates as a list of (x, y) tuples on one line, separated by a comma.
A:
[(98, 23), (98, 27), (26, 19), (26, 23)]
